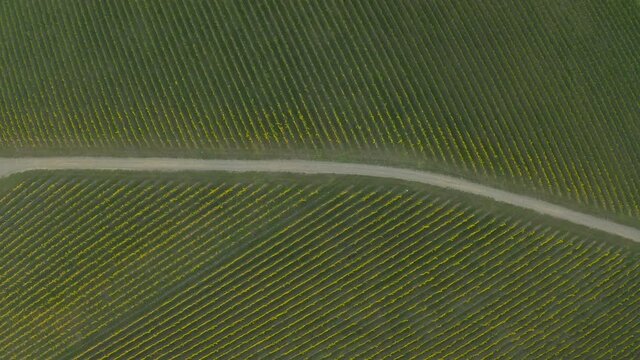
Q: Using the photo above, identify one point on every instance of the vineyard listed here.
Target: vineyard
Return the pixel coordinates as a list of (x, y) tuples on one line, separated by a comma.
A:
[(140, 266), (542, 95)]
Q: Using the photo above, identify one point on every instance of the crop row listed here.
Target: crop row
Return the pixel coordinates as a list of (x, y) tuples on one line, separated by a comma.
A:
[(523, 92), (146, 268)]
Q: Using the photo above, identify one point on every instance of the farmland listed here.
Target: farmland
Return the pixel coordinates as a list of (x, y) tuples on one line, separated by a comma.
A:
[(538, 95), (139, 265), (523, 118)]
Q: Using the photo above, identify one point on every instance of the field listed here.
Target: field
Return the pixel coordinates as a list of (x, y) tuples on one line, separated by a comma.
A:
[(99, 265), (539, 95)]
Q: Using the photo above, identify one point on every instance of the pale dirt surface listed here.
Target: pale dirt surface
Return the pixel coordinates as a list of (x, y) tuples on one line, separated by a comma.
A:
[(15, 165)]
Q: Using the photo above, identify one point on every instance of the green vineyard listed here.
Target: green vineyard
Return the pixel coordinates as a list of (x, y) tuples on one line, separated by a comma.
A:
[(539, 95), (513, 125), (218, 266)]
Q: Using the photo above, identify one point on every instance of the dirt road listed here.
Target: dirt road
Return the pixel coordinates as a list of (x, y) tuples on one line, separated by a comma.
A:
[(14, 165)]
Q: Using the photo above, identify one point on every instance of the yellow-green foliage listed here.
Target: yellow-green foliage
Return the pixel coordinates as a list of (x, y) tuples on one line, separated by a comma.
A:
[(542, 94), (132, 267)]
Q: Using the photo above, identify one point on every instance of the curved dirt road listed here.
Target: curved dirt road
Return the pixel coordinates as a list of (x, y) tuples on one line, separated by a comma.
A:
[(14, 165)]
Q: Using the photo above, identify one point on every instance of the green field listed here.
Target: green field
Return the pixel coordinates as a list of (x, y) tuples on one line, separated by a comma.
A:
[(542, 96), (99, 265), (537, 97)]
